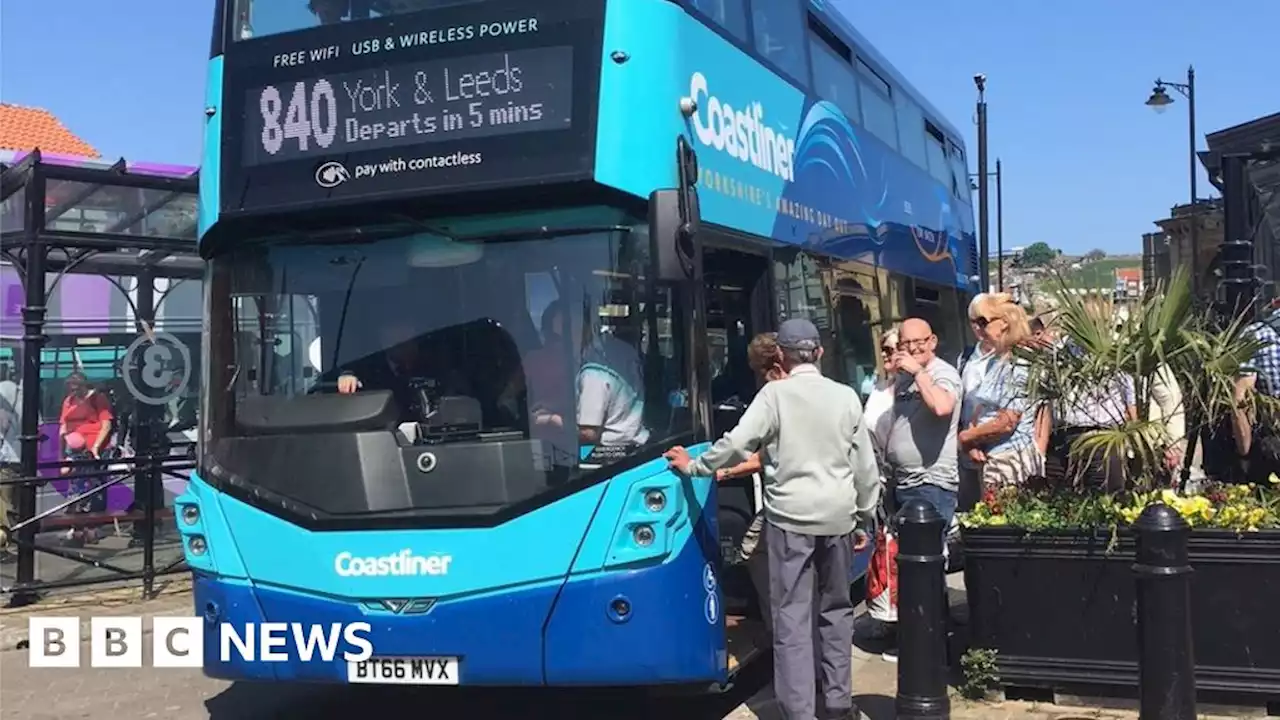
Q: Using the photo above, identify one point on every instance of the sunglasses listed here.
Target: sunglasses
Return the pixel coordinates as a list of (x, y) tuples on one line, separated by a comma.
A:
[(982, 322)]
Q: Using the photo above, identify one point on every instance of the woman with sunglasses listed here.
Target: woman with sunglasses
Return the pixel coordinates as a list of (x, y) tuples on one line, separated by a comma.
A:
[(1001, 435), (880, 401), (972, 371)]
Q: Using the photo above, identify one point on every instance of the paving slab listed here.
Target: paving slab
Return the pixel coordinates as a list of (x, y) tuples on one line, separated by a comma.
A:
[(172, 597)]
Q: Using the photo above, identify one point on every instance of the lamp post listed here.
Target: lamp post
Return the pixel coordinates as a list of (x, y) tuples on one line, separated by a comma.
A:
[(975, 184), (984, 231), (1160, 101)]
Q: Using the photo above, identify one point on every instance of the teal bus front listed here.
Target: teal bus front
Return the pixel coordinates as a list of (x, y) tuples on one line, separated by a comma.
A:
[(439, 370)]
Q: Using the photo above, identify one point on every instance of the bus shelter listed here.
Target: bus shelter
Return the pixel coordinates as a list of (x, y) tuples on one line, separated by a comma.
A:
[(99, 283)]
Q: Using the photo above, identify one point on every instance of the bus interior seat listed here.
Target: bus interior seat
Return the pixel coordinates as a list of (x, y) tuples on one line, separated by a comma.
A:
[(481, 353)]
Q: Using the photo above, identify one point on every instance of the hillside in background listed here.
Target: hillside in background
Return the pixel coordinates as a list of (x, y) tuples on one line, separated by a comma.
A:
[(1099, 274)]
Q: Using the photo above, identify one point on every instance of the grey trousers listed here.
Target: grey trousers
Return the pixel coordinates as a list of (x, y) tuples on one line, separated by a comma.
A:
[(809, 575)]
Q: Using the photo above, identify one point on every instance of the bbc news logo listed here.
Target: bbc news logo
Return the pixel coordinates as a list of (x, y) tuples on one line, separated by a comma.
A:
[(179, 642)]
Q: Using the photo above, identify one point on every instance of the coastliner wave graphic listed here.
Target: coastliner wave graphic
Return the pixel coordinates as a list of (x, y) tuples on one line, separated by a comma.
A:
[(837, 170)]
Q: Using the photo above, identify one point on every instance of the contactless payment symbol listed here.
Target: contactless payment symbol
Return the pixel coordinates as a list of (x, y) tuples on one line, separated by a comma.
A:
[(332, 174)]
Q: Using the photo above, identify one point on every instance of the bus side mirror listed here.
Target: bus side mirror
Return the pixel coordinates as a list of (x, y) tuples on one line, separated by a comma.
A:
[(671, 236)]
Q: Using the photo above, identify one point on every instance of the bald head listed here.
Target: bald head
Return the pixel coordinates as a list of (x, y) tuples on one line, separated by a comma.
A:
[(916, 329), (917, 338)]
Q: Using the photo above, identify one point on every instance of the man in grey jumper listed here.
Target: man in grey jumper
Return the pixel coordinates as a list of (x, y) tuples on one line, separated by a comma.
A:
[(821, 486)]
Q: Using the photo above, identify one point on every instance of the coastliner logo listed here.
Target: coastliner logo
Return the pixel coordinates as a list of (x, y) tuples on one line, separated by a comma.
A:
[(332, 174), (401, 563), (741, 131)]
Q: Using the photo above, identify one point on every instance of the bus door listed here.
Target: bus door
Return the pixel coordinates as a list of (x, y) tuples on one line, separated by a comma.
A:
[(736, 282)]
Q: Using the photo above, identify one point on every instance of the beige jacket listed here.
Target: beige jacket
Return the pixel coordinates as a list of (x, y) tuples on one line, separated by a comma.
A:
[(1166, 405)]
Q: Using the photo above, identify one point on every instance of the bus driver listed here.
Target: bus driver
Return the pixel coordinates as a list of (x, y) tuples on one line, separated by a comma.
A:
[(400, 365)]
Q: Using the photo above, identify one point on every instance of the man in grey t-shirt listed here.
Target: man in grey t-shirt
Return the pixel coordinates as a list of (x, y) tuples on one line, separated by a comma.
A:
[(921, 444)]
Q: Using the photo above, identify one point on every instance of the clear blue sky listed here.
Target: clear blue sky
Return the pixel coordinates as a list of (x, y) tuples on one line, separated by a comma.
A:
[(1086, 163)]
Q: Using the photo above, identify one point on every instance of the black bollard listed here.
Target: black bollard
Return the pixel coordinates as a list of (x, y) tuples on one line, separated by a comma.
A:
[(922, 639), (1166, 664)]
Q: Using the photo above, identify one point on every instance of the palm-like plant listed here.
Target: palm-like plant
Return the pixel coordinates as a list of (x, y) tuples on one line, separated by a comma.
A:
[(1163, 339)]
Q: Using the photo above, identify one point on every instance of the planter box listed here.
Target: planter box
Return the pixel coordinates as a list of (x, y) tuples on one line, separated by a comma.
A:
[(1061, 611)]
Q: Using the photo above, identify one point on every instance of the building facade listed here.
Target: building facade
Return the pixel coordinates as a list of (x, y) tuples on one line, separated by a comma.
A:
[(1192, 236)]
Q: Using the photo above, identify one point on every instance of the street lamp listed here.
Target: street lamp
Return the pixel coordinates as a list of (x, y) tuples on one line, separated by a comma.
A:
[(1160, 101), (984, 243), (973, 184)]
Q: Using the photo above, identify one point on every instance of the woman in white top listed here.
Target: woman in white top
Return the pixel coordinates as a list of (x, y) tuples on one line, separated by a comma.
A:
[(972, 372), (880, 400)]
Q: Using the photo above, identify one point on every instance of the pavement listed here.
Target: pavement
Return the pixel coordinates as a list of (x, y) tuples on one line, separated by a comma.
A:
[(172, 597), (181, 694), (875, 685)]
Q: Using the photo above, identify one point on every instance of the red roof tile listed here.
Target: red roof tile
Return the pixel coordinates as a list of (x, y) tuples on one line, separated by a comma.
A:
[(27, 128)]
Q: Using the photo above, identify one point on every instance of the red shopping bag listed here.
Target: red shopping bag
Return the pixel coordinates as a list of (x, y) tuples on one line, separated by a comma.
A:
[(882, 577)]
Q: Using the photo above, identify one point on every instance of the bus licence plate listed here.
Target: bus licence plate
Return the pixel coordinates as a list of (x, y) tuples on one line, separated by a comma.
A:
[(404, 671)]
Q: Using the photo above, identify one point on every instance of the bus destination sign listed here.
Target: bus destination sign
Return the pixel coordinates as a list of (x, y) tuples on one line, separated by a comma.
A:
[(412, 103)]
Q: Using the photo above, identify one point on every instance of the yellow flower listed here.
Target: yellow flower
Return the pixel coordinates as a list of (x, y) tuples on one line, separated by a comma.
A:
[(1273, 479)]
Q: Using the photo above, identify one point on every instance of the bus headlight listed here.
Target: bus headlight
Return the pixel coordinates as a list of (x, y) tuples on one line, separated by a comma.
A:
[(197, 545), (643, 535), (190, 514), (655, 500)]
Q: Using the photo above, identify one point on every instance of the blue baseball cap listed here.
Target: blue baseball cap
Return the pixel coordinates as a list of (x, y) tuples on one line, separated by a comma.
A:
[(798, 334)]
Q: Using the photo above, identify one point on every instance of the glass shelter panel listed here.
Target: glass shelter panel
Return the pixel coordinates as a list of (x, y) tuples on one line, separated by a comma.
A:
[(81, 207)]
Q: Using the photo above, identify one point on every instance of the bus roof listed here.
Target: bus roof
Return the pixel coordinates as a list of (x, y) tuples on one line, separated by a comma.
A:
[(838, 23)]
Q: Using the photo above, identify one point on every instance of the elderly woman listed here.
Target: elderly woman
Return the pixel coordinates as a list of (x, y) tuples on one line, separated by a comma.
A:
[(1001, 433), (973, 368), (877, 411)]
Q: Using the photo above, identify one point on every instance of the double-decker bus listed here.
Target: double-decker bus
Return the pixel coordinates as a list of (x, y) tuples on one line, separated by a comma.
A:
[(473, 266)]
